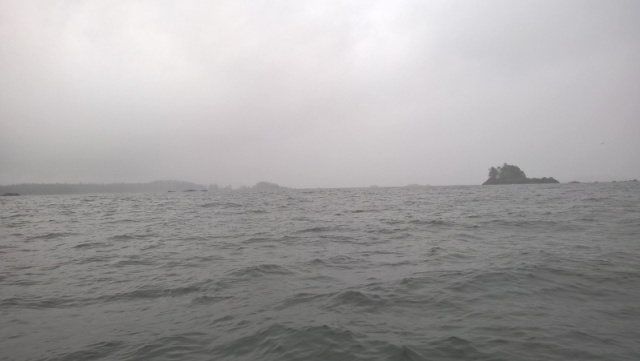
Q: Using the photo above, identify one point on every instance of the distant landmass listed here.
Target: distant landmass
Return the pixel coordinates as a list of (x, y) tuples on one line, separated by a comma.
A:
[(156, 186), (511, 174), (266, 186), (84, 188)]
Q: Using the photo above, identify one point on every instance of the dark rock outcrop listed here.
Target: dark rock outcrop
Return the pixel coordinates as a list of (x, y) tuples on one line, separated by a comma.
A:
[(511, 174)]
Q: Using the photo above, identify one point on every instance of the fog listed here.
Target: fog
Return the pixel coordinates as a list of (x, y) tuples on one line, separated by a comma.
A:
[(318, 94)]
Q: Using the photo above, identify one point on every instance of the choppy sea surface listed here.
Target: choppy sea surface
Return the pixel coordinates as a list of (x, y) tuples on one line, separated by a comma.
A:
[(523, 272)]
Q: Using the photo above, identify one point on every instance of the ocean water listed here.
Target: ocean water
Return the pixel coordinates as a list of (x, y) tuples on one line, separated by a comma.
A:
[(523, 272)]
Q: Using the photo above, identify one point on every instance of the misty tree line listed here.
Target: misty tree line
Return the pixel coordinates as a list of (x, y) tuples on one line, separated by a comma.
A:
[(157, 186), (81, 188), (505, 172), (511, 174)]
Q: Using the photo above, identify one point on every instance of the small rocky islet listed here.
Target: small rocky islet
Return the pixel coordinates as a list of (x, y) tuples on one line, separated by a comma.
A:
[(511, 174)]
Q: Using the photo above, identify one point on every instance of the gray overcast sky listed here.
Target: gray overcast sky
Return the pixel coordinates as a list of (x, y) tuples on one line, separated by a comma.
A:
[(318, 93)]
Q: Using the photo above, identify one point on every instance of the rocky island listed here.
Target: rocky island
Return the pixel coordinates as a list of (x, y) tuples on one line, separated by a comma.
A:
[(511, 174)]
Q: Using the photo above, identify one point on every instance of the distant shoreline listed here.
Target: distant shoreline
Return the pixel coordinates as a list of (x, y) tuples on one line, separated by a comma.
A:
[(182, 186), (149, 187), (86, 188)]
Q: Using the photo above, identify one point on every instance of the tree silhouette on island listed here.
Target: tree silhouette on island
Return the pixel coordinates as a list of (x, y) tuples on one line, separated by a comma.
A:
[(511, 174)]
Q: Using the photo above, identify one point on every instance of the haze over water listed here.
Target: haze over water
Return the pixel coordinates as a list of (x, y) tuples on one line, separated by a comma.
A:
[(318, 93), (523, 272), (327, 94)]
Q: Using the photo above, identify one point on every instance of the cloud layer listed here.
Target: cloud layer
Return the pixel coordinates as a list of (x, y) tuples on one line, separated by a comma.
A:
[(318, 94)]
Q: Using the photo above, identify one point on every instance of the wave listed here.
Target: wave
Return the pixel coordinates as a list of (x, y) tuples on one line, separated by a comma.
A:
[(129, 237), (209, 300), (221, 205), (301, 298), (260, 271), (186, 346), (431, 222), (90, 245), (52, 235), (317, 229), (71, 301), (325, 342), (94, 351), (357, 299), (278, 342), (447, 273)]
